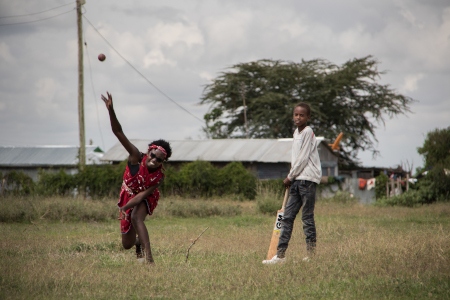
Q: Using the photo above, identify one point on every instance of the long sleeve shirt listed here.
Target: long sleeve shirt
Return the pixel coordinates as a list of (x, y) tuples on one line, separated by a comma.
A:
[(305, 161)]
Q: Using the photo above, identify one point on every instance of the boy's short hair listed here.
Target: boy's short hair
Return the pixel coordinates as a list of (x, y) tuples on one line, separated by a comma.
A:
[(305, 106), (165, 144)]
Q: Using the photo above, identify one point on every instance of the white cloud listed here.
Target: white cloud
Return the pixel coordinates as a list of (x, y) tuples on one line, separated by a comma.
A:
[(410, 83), (181, 45)]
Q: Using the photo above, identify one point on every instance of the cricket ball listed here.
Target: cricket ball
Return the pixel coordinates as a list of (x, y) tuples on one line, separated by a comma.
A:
[(101, 57)]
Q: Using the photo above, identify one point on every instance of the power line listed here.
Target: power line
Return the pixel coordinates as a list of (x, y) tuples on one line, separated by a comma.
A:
[(151, 83), (94, 93), (8, 24), (36, 13)]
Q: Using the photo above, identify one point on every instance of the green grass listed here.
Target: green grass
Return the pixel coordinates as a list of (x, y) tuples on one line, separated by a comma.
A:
[(363, 252)]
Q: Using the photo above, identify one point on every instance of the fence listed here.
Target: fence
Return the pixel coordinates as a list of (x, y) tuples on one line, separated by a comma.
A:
[(394, 186)]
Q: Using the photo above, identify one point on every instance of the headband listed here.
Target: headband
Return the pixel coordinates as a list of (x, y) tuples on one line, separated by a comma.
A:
[(152, 146)]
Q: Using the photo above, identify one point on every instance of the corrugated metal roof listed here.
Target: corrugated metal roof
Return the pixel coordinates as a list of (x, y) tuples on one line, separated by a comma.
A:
[(217, 150), (46, 156)]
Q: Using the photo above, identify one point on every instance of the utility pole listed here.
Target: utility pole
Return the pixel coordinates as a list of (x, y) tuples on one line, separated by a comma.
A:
[(82, 153)]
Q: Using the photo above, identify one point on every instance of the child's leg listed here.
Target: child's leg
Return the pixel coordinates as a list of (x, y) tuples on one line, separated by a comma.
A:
[(309, 226), (291, 210), (129, 238), (137, 218)]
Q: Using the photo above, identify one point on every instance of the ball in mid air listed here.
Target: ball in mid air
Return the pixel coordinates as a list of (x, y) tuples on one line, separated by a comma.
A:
[(101, 57)]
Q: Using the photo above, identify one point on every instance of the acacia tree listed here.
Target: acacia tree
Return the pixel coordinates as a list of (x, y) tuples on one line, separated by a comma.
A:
[(436, 148), (436, 151), (344, 98)]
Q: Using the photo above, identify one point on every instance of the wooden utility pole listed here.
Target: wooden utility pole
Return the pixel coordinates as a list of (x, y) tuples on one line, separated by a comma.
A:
[(82, 149)]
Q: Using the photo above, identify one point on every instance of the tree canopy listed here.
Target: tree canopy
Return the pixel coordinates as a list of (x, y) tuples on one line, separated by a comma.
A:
[(435, 185), (256, 100), (436, 148)]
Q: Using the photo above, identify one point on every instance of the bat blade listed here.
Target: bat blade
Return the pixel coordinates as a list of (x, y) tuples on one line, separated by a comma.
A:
[(277, 230)]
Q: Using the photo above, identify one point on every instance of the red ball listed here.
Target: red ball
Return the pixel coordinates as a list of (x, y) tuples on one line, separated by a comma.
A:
[(101, 57)]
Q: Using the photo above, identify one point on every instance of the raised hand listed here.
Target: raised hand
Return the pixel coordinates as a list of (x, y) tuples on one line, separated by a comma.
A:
[(108, 101)]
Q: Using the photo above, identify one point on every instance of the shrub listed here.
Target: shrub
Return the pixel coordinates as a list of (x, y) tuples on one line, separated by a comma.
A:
[(236, 180), (380, 186), (55, 184), (270, 196), (409, 199), (198, 179), (101, 180), (18, 183), (435, 186), (201, 179)]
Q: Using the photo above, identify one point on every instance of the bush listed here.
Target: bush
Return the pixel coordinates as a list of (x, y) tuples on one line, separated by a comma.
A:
[(236, 180), (18, 183), (380, 186), (270, 196), (101, 180), (198, 179), (194, 180), (435, 186), (409, 199)]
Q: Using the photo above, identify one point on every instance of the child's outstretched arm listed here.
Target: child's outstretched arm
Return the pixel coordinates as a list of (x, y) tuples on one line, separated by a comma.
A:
[(134, 154), (139, 197)]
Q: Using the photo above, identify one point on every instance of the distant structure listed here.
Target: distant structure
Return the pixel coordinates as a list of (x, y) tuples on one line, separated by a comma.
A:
[(266, 158), (30, 160)]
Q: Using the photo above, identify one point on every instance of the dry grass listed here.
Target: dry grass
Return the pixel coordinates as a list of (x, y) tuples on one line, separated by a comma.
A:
[(363, 253)]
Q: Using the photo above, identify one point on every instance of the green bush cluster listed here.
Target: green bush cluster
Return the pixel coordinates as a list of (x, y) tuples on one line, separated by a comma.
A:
[(99, 180), (435, 185), (200, 179), (380, 186), (409, 199), (193, 180)]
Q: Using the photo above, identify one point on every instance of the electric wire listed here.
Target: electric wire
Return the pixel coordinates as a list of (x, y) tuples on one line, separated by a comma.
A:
[(94, 93), (145, 78), (43, 19), (36, 13)]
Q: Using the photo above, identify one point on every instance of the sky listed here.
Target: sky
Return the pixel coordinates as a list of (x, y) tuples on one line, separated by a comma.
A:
[(161, 54)]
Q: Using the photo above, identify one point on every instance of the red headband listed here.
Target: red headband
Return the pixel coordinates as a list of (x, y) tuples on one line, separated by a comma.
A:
[(159, 148)]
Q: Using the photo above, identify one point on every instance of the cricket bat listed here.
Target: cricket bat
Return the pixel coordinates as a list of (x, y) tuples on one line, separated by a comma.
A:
[(277, 229)]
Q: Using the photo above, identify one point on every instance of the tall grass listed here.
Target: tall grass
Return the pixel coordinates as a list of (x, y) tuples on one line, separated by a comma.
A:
[(363, 252)]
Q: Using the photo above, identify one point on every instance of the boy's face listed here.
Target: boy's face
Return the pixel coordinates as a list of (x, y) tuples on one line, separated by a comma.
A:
[(301, 117), (155, 159)]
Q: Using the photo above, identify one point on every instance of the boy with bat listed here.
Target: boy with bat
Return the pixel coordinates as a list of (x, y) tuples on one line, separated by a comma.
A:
[(302, 180)]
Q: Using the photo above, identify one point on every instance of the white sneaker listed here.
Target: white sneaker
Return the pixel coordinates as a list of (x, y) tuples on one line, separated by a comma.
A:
[(306, 259), (274, 260), (141, 260)]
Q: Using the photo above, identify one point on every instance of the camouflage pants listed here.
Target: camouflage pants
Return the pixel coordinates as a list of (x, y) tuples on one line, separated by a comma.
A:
[(302, 193)]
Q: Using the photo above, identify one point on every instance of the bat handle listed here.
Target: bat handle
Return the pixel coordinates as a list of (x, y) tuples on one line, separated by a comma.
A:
[(286, 196)]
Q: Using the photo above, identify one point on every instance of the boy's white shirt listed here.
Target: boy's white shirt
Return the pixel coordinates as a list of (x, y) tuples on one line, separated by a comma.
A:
[(305, 161)]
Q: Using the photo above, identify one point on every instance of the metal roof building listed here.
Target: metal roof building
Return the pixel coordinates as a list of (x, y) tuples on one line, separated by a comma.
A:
[(30, 159), (267, 158)]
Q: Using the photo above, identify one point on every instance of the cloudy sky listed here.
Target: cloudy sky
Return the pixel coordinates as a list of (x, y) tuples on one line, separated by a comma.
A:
[(161, 54)]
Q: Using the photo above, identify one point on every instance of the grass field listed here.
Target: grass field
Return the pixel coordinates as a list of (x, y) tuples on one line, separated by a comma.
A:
[(363, 252)]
